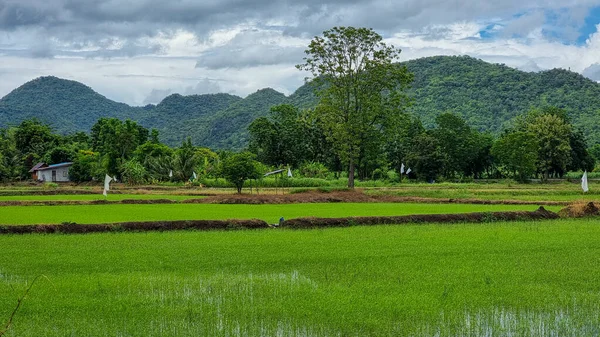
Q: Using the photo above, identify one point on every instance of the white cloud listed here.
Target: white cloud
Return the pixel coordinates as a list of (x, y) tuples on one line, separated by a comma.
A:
[(150, 48)]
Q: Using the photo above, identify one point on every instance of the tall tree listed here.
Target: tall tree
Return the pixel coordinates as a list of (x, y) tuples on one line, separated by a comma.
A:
[(361, 88), (552, 134)]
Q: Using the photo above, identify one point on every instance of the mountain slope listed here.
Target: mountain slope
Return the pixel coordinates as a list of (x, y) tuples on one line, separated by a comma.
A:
[(488, 96), (228, 129), (68, 106), (175, 112)]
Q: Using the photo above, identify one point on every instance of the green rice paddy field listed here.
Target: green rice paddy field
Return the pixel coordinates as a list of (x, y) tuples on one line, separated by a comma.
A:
[(498, 279), (89, 197), (21, 215)]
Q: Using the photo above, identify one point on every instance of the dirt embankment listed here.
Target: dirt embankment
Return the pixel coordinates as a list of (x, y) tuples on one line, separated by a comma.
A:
[(351, 196), (579, 210), (300, 223), (309, 197), (539, 214), (73, 228)]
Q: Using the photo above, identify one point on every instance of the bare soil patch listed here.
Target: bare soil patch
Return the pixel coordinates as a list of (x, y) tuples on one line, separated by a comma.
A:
[(579, 210)]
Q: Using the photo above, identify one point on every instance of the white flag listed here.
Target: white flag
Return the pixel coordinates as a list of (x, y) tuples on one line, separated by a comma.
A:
[(105, 194), (402, 169), (195, 176), (107, 180), (289, 173), (408, 171), (171, 174), (584, 184)]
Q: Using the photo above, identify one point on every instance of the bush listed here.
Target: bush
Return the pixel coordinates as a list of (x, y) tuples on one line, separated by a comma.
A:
[(314, 170), (50, 186), (133, 173)]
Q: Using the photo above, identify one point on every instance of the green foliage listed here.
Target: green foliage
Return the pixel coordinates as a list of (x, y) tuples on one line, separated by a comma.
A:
[(85, 167), (552, 136), (426, 157), (240, 167), (361, 91), (133, 173), (286, 137), (184, 161), (116, 141), (314, 170), (516, 153)]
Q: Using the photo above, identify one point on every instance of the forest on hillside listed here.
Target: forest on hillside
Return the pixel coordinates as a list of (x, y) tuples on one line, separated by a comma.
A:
[(487, 96)]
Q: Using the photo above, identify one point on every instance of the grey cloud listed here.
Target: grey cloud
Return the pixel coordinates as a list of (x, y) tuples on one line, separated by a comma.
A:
[(250, 48), (156, 95), (592, 72), (78, 26), (206, 86), (249, 56), (93, 18)]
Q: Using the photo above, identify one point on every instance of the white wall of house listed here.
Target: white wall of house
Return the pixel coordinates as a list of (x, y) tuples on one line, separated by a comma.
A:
[(62, 174)]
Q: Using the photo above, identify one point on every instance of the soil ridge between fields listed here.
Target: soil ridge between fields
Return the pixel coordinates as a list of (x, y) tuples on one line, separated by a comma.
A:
[(298, 223), (313, 197)]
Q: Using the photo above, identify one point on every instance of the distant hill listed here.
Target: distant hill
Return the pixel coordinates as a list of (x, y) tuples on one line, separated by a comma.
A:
[(177, 116), (488, 96), (68, 106)]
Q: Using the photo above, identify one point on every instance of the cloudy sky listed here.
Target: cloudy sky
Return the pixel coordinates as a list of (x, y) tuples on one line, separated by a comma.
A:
[(139, 51)]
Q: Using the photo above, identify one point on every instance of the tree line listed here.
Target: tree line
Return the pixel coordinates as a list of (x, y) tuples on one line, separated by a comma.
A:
[(361, 127)]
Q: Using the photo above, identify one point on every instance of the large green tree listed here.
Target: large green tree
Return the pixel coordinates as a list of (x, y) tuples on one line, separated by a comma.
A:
[(361, 88), (552, 134), (516, 154), (240, 167)]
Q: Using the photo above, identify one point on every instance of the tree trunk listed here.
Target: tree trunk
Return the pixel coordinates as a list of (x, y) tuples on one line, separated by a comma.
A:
[(351, 174)]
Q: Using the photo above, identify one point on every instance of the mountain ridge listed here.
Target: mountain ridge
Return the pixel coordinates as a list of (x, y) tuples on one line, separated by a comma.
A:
[(488, 96)]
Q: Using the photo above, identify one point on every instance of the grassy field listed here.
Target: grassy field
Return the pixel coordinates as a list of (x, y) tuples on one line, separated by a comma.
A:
[(502, 279), (85, 197), (529, 192), (21, 215)]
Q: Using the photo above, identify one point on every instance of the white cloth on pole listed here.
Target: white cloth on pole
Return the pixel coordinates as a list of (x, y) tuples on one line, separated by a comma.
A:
[(107, 180), (584, 182), (105, 194), (171, 174), (289, 173), (402, 169), (195, 176), (408, 171)]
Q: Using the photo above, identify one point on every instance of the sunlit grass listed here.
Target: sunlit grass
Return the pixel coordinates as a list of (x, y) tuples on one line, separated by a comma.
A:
[(20, 215)]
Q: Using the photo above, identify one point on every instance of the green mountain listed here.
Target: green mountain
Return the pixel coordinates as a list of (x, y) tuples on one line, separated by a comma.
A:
[(174, 115), (488, 96), (228, 128), (68, 106)]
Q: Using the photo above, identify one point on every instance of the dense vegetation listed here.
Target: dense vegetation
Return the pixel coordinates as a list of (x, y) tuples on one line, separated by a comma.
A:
[(488, 96)]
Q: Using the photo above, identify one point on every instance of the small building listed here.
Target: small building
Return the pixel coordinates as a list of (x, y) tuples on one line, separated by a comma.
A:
[(35, 169), (54, 173)]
